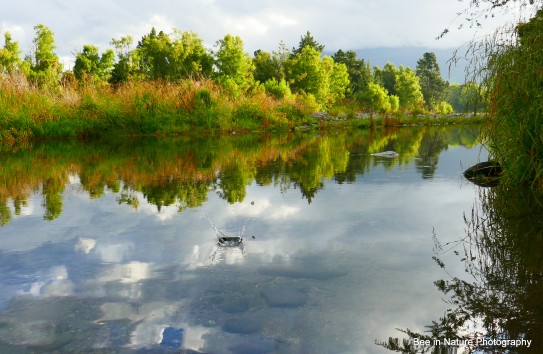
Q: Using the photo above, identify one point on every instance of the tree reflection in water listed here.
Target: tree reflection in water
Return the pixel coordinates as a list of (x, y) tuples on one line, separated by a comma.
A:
[(502, 295)]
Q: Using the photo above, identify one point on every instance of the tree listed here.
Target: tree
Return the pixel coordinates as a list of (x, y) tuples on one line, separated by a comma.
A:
[(267, 67), (10, 55), (155, 55), (45, 68), (305, 41), (122, 70), (359, 71), (89, 65), (375, 98), (408, 89), (433, 87), (233, 63), (190, 57), (386, 77), (338, 79), (305, 73)]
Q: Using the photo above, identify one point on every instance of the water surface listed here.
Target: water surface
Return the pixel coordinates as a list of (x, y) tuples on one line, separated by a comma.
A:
[(111, 247)]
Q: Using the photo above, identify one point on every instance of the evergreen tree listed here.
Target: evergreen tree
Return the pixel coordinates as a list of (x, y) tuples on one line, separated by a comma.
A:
[(307, 40), (432, 85), (359, 71)]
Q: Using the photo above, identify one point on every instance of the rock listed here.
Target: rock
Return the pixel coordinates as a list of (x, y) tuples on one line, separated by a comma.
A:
[(484, 174), (487, 169)]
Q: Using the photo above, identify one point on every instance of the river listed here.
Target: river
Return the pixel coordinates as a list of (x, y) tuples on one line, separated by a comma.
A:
[(115, 247)]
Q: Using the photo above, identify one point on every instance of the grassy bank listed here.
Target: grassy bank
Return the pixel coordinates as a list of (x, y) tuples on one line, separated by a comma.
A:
[(161, 108)]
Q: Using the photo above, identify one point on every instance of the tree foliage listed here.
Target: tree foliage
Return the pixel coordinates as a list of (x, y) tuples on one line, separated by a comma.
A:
[(232, 63), (433, 87), (10, 55), (407, 88), (90, 65), (307, 40), (45, 68), (359, 71)]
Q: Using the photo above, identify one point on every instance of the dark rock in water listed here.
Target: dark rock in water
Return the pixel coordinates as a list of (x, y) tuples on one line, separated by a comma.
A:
[(487, 169), (284, 296), (484, 174)]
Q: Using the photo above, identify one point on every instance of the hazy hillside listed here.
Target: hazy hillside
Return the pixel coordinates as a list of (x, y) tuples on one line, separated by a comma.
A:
[(408, 56)]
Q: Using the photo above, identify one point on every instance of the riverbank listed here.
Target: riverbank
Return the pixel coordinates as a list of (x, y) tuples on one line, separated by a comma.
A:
[(160, 108)]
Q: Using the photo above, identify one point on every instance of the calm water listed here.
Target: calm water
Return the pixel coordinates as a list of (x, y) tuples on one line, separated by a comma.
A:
[(110, 248)]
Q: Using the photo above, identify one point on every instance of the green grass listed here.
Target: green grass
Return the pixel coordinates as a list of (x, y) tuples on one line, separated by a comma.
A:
[(158, 108)]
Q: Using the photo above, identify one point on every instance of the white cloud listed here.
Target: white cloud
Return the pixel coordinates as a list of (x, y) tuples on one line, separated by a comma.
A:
[(345, 24)]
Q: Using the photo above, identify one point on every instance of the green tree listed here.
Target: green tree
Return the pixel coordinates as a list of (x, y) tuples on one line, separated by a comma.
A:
[(306, 73), (155, 55), (45, 68), (267, 67), (375, 98), (386, 77), (232, 63), (433, 87), (338, 79), (471, 98), (122, 70), (307, 40), (89, 65), (359, 71), (190, 57), (408, 89), (10, 55), (320, 77)]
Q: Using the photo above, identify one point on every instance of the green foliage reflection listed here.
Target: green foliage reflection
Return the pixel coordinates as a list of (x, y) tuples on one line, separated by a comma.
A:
[(182, 171)]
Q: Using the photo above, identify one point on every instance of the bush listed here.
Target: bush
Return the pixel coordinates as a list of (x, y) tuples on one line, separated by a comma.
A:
[(279, 90)]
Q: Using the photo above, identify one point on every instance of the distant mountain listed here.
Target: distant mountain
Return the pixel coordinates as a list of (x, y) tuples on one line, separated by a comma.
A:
[(408, 57)]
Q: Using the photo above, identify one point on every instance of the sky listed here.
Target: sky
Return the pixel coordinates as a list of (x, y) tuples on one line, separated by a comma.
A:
[(339, 24)]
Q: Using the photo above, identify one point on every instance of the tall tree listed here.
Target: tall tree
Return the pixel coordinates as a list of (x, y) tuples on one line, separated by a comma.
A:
[(305, 41), (359, 71), (190, 57), (45, 68), (155, 55), (89, 65), (122, 70), (10, 55), (386, 77), (433, 87), (233, 63), (267, 67), (408, 89)]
